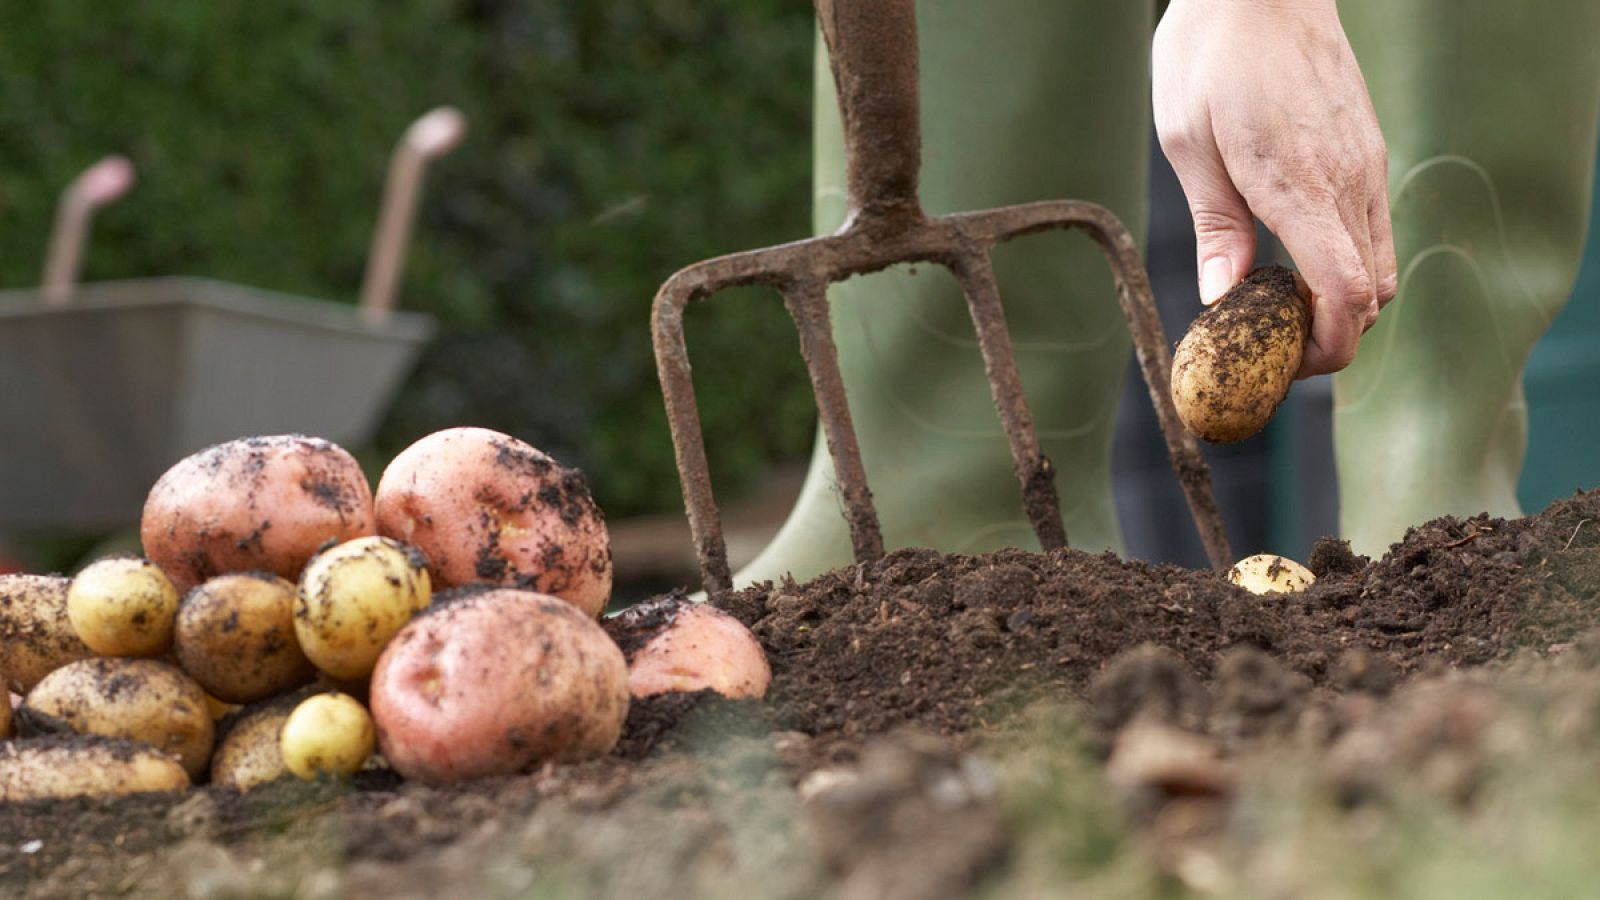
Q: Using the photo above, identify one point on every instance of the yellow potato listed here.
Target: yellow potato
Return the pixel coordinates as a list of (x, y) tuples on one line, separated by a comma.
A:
[(36, 637), (353, 598), (138, 699), (1239, 358), (84, 766), (236, 636), (123, 606), (248, 752), (1268, 573), (327, 734)]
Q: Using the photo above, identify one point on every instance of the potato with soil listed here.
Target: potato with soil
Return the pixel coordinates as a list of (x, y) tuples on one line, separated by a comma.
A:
[(236, 636), (254, 504), (135, 699), (1269, 573), (1236, 364), (36, 635), (60, 766), (486, 507), (673, 644), (352, 599), (492, 681), (248, 752), (123, 606)]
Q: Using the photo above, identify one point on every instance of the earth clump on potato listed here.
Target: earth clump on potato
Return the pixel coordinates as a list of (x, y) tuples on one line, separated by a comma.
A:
[(1239, 358)]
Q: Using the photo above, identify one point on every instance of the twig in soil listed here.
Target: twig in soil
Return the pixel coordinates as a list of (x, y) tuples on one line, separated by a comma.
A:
[(1574, 537), (1471, 537)]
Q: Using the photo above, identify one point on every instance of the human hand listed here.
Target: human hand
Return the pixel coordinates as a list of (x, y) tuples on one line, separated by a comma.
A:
[(1262, 111)]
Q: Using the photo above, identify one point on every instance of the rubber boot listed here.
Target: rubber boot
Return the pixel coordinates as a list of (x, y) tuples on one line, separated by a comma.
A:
[(1489, 110), (1021, 100)]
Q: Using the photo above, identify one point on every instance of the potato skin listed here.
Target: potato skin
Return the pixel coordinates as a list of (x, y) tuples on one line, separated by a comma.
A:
[(254, 504), (36, 636), (56, 767), (486, 507), (674, 644), (236, 636), (137, 699), (493, 681), (123, 606), (1239, 358)]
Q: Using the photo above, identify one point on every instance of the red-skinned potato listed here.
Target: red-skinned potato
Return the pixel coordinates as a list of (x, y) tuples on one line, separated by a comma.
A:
[(674, 644), (486, 507), (254, 504), (492, 681)]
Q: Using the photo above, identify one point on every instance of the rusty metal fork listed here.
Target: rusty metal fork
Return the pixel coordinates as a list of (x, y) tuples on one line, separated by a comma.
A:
[(872, 48)]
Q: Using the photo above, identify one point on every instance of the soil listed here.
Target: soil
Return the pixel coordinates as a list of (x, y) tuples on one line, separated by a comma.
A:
[(857, 770)]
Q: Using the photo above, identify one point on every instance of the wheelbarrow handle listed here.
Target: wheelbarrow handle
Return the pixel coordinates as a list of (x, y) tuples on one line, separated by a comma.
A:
[(433, 135), (872, 50), (96, 186)]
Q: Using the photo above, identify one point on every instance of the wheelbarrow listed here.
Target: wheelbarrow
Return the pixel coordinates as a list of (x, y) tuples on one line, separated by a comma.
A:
[(103, 386)]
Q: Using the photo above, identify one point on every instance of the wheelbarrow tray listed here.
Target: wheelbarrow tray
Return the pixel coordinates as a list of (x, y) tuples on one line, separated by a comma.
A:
[(100, 396)]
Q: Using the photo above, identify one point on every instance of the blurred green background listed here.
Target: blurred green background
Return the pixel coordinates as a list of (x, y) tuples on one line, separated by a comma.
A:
[(610, 143)]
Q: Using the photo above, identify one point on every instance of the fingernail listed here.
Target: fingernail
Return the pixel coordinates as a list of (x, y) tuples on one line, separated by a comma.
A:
[(1216, 276)]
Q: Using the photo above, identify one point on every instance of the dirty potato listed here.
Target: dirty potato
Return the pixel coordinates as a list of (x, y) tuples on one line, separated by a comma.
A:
[(248, 753), (254, 504), (675, 644), (1239, 358), (493, 681), (123, 606), (326, 734), (236, 636), (80, 765), (1269, 573), (486, 507), (36, 636), (6, 727), (353, 598), (137, 699)]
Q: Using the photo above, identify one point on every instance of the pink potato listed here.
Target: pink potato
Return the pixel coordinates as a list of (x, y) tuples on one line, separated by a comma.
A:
[(492, 681), (674, 644), (254, 504), (486, 507)]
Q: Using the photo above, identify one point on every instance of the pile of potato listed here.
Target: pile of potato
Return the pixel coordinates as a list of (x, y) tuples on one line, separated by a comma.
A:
[(282, 594)]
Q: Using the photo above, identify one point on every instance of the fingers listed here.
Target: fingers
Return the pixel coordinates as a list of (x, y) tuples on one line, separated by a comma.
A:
[(1335, 267), (1381, 227), (1224, 227)]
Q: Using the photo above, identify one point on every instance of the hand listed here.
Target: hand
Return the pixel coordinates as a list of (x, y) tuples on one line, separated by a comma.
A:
[(1262, 110)]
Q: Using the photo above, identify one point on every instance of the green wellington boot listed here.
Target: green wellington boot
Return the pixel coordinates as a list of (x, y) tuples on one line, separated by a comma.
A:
[(1489, 110), (1021, 100)]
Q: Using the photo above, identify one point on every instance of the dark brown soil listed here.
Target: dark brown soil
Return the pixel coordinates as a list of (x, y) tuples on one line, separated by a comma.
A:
[(951, 646)]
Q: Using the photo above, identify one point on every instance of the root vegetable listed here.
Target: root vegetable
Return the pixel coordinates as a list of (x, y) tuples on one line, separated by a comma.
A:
[(248, 753), (353, 598), (1268, 573), (36, 636), (674, 644), (493, 681), (1238, 360), (327, 734), (236, 636), (254, 504), (136, 699), (62, 766), (486, 507), (123, 606)]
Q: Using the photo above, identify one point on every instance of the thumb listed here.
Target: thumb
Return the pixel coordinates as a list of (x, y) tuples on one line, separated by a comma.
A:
[(1224, 237)]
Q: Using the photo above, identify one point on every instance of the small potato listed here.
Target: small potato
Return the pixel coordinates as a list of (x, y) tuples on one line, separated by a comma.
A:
[(327, 734), (1268, 573), (36, 636), (493, 681), (123, 606), (248, 753), (486, 507), (254, 504), (675, 644), (1239, 358), (59, 766), (138, 699), (353, 598), (236, 636)]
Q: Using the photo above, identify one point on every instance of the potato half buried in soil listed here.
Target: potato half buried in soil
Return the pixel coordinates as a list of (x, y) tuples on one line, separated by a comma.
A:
[(236, 636), (254, 504), (137, 699), (674, 644), (493, 681), (36, 636), (123, 606), (1239, 358), (80, 765), (486, 507)]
